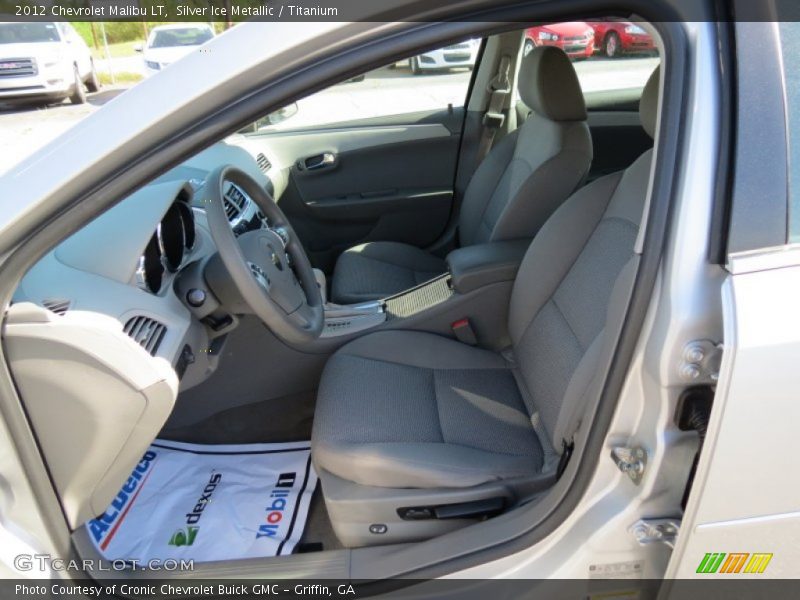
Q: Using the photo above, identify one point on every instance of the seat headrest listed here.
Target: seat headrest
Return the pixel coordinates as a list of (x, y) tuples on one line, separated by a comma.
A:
[(648, 105), (549, 85)]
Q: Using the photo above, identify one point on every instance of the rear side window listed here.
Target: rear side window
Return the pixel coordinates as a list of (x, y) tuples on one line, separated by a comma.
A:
[(790, 45), (612, 57)]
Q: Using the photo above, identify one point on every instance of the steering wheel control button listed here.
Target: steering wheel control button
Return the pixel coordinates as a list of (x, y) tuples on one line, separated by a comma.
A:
[(259, 274), (196, 297), (282, 233)]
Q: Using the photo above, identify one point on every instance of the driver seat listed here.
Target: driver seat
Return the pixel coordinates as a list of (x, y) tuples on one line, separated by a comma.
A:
[(416, 434)]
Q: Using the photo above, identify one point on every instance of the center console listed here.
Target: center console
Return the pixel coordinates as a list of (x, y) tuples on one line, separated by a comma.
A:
[(476, 288)]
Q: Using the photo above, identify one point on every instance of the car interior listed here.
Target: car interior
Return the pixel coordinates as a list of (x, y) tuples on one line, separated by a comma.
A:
[(426, 300)]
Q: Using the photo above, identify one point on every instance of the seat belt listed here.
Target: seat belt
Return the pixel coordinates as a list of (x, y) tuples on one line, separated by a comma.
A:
[(493, 119)]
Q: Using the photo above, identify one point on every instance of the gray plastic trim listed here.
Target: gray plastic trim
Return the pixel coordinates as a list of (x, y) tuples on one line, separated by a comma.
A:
[(287, 146)]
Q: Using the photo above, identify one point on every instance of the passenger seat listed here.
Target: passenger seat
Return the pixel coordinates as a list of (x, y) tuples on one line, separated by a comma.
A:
[(520, 183)]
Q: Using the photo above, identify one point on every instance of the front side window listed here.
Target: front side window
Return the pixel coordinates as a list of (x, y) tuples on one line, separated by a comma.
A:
[(430, 81)]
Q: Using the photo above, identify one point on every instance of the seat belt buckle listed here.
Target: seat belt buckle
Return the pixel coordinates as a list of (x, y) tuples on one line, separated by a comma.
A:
[(493, 120), (463, 331)]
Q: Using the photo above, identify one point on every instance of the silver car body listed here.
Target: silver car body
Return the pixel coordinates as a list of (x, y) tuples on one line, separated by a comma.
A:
[(752, 425)]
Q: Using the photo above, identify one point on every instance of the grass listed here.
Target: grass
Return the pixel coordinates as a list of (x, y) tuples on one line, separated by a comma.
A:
[(120, 77), (116, 50)]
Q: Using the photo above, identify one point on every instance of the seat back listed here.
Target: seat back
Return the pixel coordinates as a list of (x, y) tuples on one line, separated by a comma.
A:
[(534, 169), (564, 295)]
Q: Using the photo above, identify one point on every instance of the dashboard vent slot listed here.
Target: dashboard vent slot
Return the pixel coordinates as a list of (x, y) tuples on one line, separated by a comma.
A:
[(235, 202), (146, 332), (263, 162), (56, 305)]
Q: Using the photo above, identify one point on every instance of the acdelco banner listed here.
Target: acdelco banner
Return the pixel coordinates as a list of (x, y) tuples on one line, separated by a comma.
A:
[(218, 502)]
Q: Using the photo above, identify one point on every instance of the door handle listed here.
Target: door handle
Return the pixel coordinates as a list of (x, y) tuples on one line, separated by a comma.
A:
[(319, 161)]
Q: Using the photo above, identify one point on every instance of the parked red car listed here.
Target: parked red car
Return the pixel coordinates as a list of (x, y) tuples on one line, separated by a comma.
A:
[(576, 38), (615, 38)]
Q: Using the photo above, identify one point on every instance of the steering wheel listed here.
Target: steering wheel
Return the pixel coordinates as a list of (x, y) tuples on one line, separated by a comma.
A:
[(268, 266)]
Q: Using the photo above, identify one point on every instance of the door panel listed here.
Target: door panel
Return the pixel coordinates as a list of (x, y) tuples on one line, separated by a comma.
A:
[(372, 158), (385, 179)]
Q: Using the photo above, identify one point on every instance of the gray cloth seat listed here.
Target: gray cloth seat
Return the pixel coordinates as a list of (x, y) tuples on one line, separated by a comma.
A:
[(405, 421), (519, 184), (401, 409), (379, 269)]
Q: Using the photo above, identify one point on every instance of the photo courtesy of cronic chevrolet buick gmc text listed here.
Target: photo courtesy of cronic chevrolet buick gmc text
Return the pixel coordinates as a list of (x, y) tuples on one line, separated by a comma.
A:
[(529, 318)]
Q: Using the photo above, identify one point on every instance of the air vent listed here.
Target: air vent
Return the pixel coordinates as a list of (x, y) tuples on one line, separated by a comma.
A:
[(56, 305), (263, 162), (146, 332), (235, 202)]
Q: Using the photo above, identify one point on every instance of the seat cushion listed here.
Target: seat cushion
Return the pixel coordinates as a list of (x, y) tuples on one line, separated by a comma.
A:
[(380, 269), (409, 409)]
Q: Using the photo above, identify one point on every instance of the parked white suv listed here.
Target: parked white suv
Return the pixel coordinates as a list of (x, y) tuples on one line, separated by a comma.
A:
[(44, 62)]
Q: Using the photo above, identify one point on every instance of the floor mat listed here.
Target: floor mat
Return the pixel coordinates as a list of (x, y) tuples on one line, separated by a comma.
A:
[(319, 530), (209, 502)]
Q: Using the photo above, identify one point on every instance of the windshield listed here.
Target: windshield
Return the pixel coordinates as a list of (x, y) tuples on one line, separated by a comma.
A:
[(21, 33), (190, 36)]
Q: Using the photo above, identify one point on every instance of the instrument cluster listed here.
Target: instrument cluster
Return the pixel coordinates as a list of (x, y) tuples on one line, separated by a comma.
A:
[(170, 245)]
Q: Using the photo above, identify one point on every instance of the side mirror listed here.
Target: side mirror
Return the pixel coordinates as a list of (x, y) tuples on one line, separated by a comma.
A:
[(138, 48), (274, 118), (280, 115)]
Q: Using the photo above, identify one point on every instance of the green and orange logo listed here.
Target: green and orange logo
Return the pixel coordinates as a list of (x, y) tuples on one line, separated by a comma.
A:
[(734, 562)]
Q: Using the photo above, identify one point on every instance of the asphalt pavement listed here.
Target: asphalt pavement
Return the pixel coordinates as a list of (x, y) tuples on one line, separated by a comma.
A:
[(24, 130)]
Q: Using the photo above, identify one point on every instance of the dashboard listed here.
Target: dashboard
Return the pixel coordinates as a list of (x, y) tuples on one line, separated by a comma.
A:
[(126, 263)]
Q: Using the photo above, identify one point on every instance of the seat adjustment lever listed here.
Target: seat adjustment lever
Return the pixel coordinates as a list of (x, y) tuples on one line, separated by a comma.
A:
[(476, 509)]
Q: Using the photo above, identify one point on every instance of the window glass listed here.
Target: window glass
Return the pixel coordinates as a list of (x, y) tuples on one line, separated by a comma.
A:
[(17, 33), (790, 42), (187, 36), (426, 82)]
